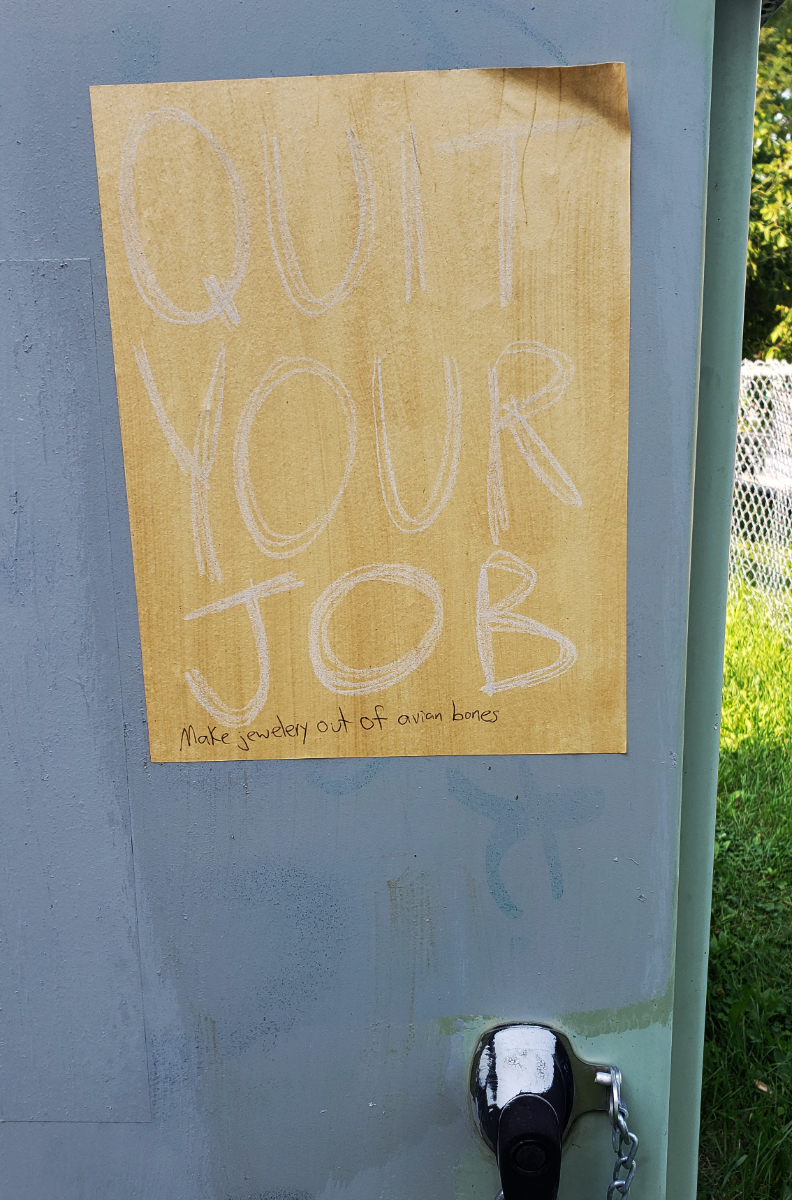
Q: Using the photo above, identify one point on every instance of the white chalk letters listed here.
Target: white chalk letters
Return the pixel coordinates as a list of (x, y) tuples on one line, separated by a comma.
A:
[(507, 138), (500, 617), (359, 681), (198, 465), (449, 464), (221, 292), (286, 257), (495, 395), (513, 415), (345, 680), (284, 545), (207, 696)]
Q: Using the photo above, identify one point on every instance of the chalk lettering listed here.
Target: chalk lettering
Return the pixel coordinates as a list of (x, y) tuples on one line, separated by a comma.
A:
[(221, 292), (198, 465), (500, 617), (358, 681), (286, 261), (449, 464), (512, 416), (284, 545), (250, 597), (507, 138)]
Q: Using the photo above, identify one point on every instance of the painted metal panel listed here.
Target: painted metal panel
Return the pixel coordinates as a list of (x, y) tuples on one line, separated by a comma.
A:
[(73, 1046), (321, 942)]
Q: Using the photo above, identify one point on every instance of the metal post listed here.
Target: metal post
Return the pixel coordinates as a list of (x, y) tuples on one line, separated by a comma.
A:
[(728, 195)]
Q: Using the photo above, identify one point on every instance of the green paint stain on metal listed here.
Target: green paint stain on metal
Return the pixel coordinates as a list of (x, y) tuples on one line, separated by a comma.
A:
[(620, 1020), (468, 1029), (581, 1024)]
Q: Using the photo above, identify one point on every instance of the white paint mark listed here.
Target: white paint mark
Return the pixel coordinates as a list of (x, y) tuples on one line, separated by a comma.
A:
[(206, 696), (449, 464), (359, 681), (513, 417), (500, 617), (519, 1068), (286, 259), (507, 139), (198, 465), (412, 214), (221, 292), (284, 545)]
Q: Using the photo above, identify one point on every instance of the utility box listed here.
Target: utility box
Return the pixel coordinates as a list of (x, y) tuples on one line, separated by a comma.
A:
[(349, 400)]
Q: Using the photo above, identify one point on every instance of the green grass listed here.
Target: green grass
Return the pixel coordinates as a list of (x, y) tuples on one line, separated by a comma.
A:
[(746, 1133)]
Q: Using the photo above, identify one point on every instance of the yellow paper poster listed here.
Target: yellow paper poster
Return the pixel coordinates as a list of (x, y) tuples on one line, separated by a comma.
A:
[(371, 338)]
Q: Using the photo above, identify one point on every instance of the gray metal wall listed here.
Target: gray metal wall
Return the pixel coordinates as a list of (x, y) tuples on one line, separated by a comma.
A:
[(265, 981)]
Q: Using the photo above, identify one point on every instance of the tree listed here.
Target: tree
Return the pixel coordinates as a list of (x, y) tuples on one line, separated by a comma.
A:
[(767, 331)]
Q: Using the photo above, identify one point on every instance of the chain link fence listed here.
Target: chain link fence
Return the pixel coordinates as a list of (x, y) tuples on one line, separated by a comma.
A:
[(760, 551)]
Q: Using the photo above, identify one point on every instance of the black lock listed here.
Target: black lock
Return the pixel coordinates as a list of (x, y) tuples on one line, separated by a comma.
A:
[(526, 1091)]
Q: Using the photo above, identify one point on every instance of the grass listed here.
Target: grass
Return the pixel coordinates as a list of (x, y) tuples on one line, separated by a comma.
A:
[(746, 1133)]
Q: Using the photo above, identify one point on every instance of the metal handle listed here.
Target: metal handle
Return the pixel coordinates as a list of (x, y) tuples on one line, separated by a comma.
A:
[(528, 1087)]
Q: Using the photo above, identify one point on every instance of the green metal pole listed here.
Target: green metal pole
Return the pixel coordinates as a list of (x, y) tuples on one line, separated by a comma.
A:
[(735, 51)]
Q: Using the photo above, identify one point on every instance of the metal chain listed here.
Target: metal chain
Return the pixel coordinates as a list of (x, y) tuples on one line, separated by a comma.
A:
[(625, 1143)]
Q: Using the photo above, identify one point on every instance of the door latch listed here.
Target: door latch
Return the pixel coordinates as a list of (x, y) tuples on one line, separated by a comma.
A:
[(528, 1087)]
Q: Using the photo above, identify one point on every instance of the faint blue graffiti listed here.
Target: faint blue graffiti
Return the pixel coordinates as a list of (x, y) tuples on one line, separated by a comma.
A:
[(531, 811), (336, 779)]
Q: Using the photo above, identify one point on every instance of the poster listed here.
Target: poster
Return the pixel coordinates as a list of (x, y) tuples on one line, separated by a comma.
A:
[(371, 338)]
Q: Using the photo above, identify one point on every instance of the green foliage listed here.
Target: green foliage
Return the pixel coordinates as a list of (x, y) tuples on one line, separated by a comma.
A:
[(768, 297), (746, 1136)]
